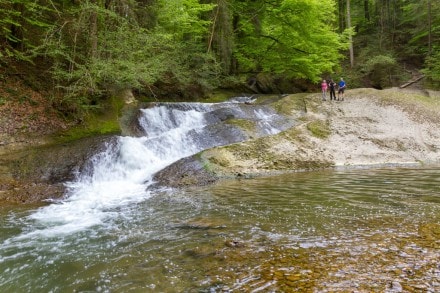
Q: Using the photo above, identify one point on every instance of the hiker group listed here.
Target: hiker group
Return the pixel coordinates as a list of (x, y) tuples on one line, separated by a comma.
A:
[(331, 86)]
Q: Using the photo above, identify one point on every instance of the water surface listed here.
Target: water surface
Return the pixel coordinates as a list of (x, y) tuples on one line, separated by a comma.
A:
[(366, 230)]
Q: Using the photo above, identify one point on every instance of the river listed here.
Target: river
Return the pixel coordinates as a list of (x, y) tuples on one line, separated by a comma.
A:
[(349, 230)]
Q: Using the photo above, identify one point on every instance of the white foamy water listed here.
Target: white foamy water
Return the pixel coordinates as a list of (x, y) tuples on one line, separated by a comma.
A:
[(264, 120), (122, 173)]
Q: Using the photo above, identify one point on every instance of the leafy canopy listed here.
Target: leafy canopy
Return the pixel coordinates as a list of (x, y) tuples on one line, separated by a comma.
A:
[(294, 37)]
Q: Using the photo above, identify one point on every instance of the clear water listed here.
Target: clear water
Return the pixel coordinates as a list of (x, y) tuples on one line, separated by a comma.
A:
[(316, 231), (209, 238)]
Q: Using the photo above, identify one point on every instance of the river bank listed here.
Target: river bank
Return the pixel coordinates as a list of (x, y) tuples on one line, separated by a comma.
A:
[(369, 128)]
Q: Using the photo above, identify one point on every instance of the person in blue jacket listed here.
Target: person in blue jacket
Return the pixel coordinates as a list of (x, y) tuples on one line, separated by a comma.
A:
[(342, 85)]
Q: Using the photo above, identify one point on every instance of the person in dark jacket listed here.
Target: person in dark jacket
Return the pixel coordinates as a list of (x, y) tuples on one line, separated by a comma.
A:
[(332, 87)]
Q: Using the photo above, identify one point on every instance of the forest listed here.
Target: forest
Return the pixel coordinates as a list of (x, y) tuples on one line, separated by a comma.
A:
[(87, 50)]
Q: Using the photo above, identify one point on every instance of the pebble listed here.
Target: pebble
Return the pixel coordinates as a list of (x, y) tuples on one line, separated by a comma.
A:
[(396, 287)]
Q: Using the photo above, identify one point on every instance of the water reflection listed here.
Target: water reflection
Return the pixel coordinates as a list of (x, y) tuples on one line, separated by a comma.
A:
[(361, 230)]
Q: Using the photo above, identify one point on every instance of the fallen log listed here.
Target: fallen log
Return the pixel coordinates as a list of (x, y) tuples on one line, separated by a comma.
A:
[(411, 82)]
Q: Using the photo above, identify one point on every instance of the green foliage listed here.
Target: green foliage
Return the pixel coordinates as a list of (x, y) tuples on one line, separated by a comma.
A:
[(22, 25), (418, 19), (97, 48), (181, 19), (380, 69), (432, 68), (291, 37), (110, 52)]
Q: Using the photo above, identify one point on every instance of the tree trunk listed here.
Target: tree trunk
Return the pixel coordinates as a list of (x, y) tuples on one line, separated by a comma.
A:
[(94, 32), (341, 15), (429, 28), (221, 38), (366, 10), (381, 23), (351, 38)]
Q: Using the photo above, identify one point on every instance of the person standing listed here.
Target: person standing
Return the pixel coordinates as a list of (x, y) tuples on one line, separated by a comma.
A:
[(342, 85), (332, 86), (324, 89)]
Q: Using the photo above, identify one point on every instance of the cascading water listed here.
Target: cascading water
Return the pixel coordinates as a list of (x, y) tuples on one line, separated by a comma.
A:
[(337, 230), (122, 173), (106, 214)]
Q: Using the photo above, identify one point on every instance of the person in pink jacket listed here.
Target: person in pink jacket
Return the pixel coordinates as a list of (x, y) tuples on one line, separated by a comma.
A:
[(324, 87)]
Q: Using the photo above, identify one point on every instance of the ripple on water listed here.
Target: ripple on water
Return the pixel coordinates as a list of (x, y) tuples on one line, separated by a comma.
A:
[(357, 230)]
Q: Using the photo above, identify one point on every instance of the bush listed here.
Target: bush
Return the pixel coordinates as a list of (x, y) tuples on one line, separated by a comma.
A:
[(432, 69), (380, 70)]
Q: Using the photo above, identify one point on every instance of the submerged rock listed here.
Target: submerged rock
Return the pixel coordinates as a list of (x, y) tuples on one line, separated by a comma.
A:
[(186, 172)]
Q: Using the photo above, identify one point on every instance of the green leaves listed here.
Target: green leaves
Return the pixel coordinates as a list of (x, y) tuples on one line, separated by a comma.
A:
[(183, 18), (432, 66), (291, 37), (101, 51), (379, 69)]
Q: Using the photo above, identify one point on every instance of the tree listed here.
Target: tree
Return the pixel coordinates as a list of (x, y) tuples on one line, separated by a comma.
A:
[(350, 36), (103, 48), (22, 23), (291, 37), (221, 38)]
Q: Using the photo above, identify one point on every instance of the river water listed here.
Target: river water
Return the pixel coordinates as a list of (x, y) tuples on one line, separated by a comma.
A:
[(359, 230)]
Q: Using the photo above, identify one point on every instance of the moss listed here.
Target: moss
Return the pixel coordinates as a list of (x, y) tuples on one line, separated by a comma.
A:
[(409, 100), (291, 104), (209, 162), (247, 125), (97, 127), (99, 122), (220, 162), (319, 128), (219, 96)]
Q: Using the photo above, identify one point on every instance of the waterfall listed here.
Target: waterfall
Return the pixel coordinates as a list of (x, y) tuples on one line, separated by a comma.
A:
[(120, 175)]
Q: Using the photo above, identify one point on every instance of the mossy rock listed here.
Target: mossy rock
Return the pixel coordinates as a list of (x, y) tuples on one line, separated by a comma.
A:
[(319, 128)]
